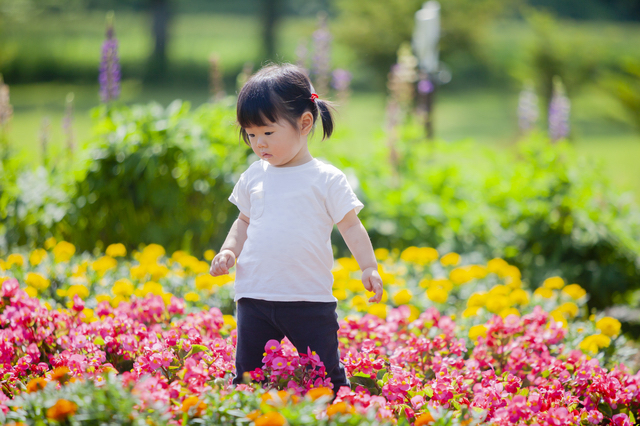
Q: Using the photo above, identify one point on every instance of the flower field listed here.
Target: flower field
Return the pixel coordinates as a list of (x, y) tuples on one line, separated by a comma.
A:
[(149, 338)]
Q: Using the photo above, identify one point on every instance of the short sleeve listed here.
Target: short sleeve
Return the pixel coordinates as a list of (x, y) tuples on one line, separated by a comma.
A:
[(341, 199), (240, 196)]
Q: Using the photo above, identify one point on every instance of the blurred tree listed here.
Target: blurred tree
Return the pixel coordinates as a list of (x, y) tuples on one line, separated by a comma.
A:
[(270, 18), (624, 84), (374, 29), (161, 14)]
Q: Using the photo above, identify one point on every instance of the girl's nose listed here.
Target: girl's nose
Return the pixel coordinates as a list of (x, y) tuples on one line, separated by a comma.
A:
[(261, 143)]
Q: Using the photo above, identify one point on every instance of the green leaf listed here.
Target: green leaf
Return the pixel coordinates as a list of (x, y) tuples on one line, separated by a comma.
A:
[(196, 349), (98, 341), (545, 373)]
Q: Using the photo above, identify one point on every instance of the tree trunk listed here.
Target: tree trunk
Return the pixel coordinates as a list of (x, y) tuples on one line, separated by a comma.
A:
[(270, 17), (157, 65)]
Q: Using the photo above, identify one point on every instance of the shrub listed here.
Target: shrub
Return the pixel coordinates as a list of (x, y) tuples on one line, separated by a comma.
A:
[(158, 175), (548, 212)]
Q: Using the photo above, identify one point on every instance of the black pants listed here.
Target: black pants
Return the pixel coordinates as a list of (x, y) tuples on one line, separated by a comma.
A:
[(306, 324)]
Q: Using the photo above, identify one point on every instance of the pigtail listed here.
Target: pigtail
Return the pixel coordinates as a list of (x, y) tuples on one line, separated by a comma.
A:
[(324, 110)]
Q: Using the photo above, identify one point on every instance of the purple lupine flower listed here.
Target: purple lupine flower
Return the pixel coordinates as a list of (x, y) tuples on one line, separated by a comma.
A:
[(559, 109), (67, 123), (109, 66), (45, 135), (527, 108), (6, 110), (425, 86), (341, 79), (302, 55), (321, 61)]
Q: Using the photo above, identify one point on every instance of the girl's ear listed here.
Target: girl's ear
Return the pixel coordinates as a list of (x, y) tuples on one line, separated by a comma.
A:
[(306, 123)]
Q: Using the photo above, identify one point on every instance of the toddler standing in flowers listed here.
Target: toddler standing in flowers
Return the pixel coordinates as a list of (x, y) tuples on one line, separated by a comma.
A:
[(289, 202)]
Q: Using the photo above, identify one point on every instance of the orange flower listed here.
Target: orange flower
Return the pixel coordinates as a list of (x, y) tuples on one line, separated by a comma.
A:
[(62, 410), (424, 419), (61, 374), (254, 415), (339, 407), (316, 393), (36, 384), (272, 418), (16, 424), (193, 401)]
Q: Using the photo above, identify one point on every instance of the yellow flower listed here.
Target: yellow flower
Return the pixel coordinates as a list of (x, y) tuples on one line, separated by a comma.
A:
[(559, 316), (103, 298), (205, 282), (116, 250), (191, 297), (460, 275), (450, 259), (419, 255), (414, 313), (14, 259), (437, 294), (470, 312), (477, 331), (478, 271), (209, 255), (499, 290), (497, 302), (37, 280), (519, 297), (151, 253), (424, 419), (117, 300), (544, 292), (497, 266), (229, 321), (574, 291), (553, 283), (570, 309), (88, 315), (103, 264), (178, 255), (63, 251), (381, 254), (79, 289), (443, 283), (340, 294), (359, 303), (340, 274), (379, 310), (49, 243), (153, 288), (138, 272), (608, 326), (509, 311), (354, 285), (193, 405), (349, 263), (594, 343), (37, 256), (123, 287), (31, 292), (402, 297), (478, 299), (159, 271)]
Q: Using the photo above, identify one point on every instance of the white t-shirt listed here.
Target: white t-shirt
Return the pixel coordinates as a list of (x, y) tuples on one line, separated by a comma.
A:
[(287, 255)]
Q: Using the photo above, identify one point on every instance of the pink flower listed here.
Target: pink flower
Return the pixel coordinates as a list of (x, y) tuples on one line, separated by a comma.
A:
[(620, 420), (9, 288), (594, 417), (78, 303)]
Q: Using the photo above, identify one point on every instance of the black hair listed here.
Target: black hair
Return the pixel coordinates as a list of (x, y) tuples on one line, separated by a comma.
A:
[(280, 91)]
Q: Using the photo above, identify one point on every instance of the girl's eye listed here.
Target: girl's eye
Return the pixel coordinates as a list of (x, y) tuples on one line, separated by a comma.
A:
[(268, 133), (251, 135)]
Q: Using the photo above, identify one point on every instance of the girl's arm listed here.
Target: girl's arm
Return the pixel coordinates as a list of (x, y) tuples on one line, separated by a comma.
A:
[(231, 247), (359, 243)]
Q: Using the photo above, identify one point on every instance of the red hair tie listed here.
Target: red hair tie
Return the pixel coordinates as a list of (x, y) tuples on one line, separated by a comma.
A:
[(314, 96)]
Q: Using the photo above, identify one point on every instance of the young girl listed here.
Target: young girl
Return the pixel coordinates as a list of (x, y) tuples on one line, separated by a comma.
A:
[(288, 204)]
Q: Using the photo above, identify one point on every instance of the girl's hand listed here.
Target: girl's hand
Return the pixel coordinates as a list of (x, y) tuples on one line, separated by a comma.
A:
[(222, 262), (372, 282)]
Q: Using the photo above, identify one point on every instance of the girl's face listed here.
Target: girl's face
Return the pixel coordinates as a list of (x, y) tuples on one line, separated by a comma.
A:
[(280, 143)]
